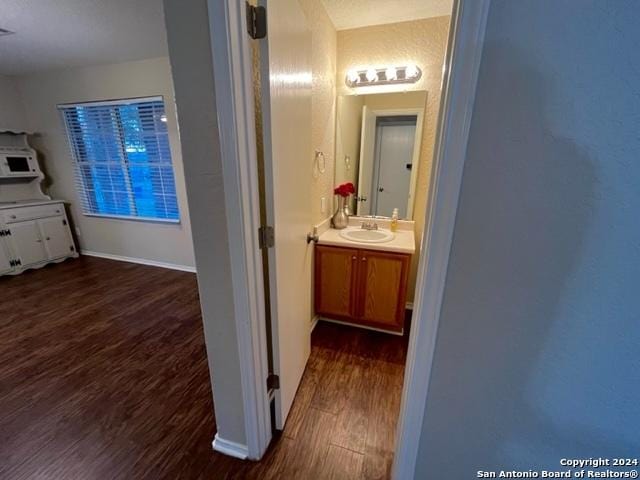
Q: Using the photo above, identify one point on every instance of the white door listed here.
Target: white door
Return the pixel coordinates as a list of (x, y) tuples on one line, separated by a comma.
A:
[(394, 157), (286, 103), (5, 257), (56, 237), (27, 243), (367, 151)]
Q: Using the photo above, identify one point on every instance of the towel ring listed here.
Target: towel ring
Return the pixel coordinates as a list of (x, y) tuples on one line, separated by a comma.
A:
[(320, 163)]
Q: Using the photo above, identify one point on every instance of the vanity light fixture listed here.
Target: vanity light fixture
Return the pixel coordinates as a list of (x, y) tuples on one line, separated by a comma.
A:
[(371, 75), (368, 77), (391, 73)]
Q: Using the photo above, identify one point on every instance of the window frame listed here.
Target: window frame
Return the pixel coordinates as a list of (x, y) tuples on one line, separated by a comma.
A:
[(80, 184)]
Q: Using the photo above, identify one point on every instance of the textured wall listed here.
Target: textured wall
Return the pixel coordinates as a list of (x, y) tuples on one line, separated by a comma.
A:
[(422, 42), (537, 350), (42, 92), (323, 102)]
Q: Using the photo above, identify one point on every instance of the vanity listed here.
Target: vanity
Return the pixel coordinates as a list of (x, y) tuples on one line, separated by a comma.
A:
[(361, 275)]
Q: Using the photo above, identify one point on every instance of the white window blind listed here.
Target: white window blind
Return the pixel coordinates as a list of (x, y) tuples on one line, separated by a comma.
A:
[(122, 159)]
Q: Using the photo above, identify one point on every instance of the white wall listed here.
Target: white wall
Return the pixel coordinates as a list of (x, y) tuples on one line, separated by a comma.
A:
[(191, 61), (537, 353), (42, 92), (12, 114)]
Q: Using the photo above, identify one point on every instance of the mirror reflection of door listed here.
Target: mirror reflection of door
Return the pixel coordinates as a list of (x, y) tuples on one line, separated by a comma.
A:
[(378, 139), (393, 162)]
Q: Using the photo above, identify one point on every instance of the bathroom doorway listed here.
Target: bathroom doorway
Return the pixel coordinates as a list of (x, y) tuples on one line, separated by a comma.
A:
[(340, 369), (336, 159)]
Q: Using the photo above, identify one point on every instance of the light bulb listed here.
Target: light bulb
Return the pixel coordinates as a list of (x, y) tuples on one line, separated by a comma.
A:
[(372, 75), (411, 71), (391, 73), (353, 76)]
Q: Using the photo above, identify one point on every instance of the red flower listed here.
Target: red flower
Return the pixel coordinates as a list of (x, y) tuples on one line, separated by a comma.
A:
[(344, 190)]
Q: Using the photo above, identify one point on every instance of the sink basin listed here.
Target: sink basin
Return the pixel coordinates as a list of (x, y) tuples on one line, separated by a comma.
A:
[(367, 236)]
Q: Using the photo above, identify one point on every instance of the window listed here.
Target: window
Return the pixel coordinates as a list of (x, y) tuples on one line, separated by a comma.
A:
[(122, 159)]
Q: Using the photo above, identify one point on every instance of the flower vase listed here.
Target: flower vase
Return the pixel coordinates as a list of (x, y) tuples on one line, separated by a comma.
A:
[(340, 219), (347, 205)]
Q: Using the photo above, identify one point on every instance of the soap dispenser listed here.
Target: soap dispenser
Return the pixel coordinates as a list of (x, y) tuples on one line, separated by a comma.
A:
[(394, 220)]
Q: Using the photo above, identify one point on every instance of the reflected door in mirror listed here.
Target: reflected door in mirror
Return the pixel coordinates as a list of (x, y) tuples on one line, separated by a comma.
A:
[(392, 165)]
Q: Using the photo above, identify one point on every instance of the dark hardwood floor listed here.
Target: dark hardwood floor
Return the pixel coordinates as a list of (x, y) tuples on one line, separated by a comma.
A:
[(103, 375)]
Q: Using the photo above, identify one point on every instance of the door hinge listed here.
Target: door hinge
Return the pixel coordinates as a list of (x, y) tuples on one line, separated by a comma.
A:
[(64, 222), (273, 382), (5, 233), (256, 21), (266, 237)]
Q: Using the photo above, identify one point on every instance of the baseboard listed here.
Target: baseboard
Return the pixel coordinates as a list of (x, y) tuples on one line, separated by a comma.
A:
[(141, 261), (229, 448), (314, 322)]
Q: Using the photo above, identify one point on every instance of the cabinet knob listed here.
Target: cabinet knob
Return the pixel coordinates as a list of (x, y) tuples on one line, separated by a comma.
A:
[(48, 238), (364, 259), (13, 216), (39, 240), (353, 258)]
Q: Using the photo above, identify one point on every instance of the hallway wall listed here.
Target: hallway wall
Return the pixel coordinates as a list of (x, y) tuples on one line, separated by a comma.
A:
[(537, 350)]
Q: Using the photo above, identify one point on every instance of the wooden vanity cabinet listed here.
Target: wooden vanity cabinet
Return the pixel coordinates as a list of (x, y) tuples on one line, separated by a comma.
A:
[(367, 287)]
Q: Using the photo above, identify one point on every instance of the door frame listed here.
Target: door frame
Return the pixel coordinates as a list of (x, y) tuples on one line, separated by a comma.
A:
[(417, 145), (235, 107), (462, 65), (233, 78)]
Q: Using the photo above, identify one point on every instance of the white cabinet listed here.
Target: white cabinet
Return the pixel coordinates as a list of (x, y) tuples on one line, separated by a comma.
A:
[(26, 243), (33, 236), (6, 261), (57, 239)]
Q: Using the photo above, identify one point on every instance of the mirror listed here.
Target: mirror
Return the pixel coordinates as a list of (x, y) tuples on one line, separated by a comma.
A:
[(378, 140)]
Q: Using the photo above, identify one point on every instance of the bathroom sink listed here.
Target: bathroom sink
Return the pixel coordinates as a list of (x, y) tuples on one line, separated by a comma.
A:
[(367, 236)]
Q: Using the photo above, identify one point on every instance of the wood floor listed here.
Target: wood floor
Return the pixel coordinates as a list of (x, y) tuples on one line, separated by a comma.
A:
[(103, 375)]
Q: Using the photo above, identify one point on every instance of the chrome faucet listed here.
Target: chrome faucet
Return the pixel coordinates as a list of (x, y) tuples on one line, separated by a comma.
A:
[(369, 225)]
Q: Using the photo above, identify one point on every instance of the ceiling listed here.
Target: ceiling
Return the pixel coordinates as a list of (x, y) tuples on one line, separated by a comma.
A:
[(346, 14), (51, 34)]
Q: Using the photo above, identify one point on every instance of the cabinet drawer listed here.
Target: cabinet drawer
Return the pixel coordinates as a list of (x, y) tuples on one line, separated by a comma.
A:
[(22, 214)]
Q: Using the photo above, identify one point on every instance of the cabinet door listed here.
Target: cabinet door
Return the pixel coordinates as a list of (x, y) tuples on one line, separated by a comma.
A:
[(382, 285), (57, 239), (26, 243), (335, 281), (5, 257)]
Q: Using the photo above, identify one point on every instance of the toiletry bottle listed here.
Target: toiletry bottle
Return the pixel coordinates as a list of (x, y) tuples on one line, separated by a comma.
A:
[(394, 220)]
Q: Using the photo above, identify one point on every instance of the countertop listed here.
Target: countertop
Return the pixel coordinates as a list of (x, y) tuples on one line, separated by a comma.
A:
[(403, 241)]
